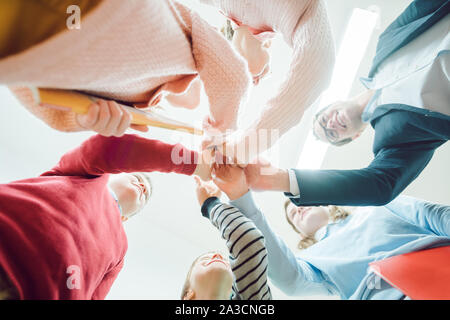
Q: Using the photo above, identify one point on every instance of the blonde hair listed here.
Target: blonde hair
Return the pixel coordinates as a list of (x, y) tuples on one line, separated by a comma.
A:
[(336, 214), (187, 281)]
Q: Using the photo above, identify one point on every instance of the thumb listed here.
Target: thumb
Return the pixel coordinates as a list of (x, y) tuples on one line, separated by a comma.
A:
[(88, 119)]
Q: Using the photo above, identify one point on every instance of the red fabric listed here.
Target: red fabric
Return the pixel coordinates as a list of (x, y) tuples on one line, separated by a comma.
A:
[(67, 217), (421, 275)]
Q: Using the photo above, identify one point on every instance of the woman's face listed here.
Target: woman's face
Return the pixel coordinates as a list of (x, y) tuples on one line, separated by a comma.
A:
[(307, 220), (254, 51), (211, 277), (132, 191)]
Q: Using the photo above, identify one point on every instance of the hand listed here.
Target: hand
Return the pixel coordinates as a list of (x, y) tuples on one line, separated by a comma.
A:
[(203, 169), (108, 119), (230, 179), (206, 190), (262, 175)]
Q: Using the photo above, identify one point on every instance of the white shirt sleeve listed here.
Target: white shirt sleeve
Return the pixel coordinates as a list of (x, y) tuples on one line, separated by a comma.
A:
[(293, 184)]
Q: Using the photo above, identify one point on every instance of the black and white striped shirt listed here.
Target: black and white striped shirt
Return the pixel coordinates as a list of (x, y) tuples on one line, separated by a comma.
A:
[(248, 254)]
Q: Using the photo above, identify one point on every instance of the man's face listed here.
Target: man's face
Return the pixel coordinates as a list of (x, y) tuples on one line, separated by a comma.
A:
[(340, 121), (132, 191)]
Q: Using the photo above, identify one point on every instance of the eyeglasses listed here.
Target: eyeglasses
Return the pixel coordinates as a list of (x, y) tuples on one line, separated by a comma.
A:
[(331, 134)]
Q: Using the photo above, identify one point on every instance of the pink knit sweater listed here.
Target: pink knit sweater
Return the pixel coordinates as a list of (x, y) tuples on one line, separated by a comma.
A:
[(131, 51), (305, 27)]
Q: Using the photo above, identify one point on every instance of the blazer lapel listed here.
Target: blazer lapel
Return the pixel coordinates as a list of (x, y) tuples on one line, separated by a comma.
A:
[(419, 16)]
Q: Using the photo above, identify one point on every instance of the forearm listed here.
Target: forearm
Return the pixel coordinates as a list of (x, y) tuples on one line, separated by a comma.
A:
[(246, 247), (129, 153), (291, 275), (392, 170), (431, 216), (309, 75), (223, 72)]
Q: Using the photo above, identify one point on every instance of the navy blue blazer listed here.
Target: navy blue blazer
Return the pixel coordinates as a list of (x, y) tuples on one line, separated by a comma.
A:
[(405, 136), (404, 143)]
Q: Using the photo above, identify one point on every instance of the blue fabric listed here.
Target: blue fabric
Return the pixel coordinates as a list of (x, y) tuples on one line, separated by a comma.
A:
[(405, 136), (338, 263), (418, 17), (404, 143)]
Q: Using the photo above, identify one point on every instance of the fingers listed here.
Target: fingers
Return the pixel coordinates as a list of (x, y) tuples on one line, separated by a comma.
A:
[(124, 123), (108, 119), (116, 114), (103, 118), (88, 120)]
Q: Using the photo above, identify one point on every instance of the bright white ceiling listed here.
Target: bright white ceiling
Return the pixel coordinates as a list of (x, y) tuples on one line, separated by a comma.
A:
[(165, 239)]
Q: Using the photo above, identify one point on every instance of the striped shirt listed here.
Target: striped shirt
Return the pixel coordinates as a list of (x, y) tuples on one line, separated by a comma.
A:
[(248, 254)]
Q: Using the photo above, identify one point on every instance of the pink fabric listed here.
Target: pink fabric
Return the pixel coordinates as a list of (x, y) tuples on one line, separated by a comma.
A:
[(120, 53), (305, 27)]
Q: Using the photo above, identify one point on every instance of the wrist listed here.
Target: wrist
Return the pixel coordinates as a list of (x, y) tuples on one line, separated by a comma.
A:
[(279, 181), (236, 194)]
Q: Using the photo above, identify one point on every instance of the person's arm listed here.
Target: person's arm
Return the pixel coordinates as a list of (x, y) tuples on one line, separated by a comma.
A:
[(130, 153), (104, 117), (392, 170), (309, 75), (223, 72), (292, 275), (248, 254), (431, 216)]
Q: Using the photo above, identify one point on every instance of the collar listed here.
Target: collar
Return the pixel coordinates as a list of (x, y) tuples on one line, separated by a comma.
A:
[(321, 233), (115, 198)]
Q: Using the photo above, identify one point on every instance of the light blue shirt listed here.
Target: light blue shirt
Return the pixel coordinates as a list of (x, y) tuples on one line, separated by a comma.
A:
[(115, 198), (416, 75), (338, 263)]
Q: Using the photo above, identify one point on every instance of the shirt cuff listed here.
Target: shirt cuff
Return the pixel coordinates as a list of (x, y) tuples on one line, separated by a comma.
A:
[(293, 184), (246, 205), (208, 205)]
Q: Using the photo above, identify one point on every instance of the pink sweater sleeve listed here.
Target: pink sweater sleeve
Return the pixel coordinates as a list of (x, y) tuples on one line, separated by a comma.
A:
[(56, 119), (223, 71), (310, 69), (309, 73)]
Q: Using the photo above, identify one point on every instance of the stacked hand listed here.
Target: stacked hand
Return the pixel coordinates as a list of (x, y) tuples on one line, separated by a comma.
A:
[(230, 179), (108, 119), (206, 190)]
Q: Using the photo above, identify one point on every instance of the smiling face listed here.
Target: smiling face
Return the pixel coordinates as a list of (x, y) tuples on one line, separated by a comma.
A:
[(210, 278), (307, 220), (340, 122), (132, 190)]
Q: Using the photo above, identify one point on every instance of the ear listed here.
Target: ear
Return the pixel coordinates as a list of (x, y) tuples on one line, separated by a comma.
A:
[(124, 218), (190, 295)]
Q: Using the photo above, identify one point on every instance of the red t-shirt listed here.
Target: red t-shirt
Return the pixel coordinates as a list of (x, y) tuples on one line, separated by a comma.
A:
[(61, 235)]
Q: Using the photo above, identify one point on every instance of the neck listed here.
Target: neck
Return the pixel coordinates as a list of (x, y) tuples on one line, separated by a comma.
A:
[(363, 99)]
